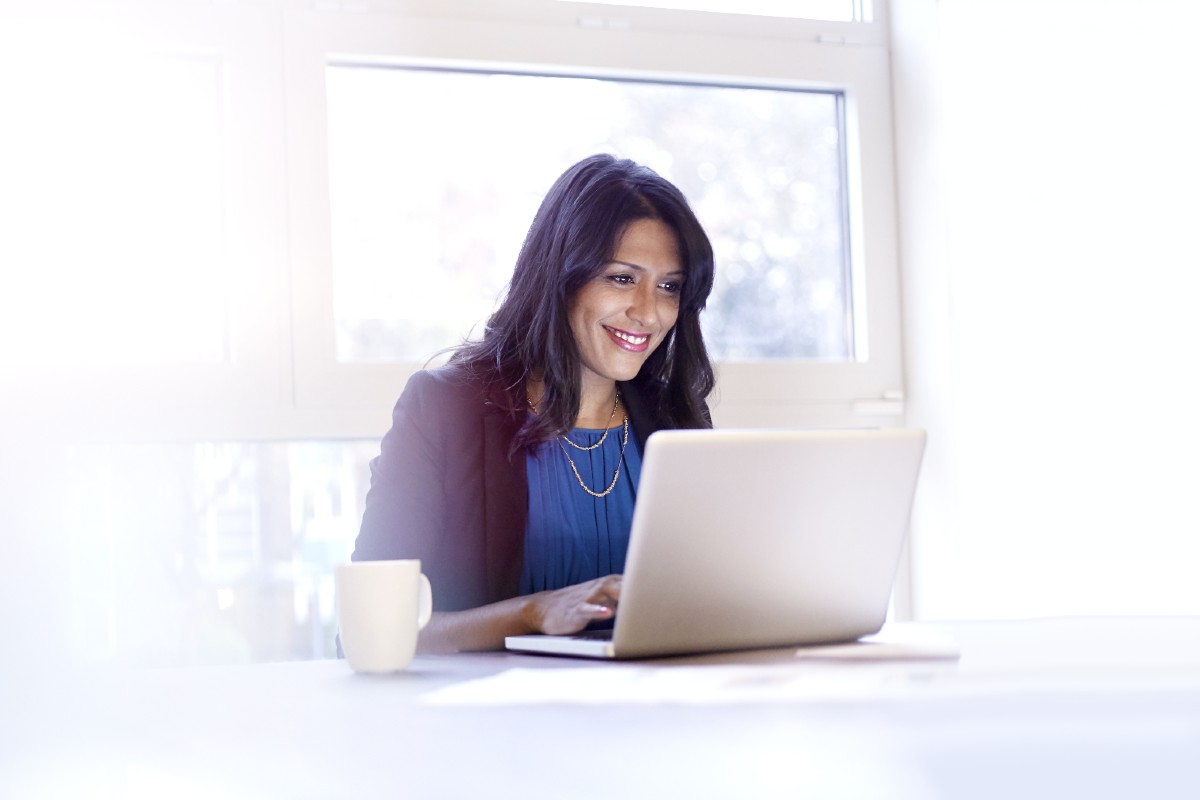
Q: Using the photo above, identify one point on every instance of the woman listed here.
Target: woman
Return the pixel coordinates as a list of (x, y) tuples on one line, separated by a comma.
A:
[(511, 472)]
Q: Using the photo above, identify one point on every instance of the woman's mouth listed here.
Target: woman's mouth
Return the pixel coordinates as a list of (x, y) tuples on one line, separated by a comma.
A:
[(633, 342)]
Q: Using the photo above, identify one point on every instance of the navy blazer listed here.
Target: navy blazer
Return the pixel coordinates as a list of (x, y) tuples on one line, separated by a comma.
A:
[(444, 490)]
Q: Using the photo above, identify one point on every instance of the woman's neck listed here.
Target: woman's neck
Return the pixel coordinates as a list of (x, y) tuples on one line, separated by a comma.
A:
[(599, 406), (599, 403)]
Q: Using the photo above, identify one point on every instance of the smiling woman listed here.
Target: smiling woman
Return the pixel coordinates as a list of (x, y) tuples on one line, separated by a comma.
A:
[(623, 314), (601, 318)]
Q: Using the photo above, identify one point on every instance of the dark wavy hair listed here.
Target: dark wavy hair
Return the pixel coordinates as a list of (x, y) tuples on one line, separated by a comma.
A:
[(573, 237)]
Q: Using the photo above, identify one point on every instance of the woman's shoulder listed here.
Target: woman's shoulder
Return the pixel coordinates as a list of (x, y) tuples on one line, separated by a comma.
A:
[(450, 390), (449, 383)]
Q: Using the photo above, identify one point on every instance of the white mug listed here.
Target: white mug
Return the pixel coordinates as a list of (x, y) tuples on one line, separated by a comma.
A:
[(381, 606)]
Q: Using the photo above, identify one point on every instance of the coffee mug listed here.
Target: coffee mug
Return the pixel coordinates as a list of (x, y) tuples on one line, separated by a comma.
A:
[(381, 606)]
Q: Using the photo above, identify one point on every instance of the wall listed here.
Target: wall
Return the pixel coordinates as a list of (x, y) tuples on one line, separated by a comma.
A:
[(1047, 164)]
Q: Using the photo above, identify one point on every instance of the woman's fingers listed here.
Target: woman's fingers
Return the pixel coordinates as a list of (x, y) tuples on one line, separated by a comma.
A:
[(569, 610), (607, 590)]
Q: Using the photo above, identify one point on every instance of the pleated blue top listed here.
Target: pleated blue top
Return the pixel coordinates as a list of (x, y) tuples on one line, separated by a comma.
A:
[(570, 536)]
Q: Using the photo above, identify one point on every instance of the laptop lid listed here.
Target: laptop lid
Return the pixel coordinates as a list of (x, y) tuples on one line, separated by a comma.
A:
[(759, 538)]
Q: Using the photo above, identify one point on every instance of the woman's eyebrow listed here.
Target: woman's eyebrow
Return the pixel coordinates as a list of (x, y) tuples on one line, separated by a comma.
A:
[(640, 268)]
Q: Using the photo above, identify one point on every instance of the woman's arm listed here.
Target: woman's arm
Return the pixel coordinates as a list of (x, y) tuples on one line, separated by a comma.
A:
[(564, 611)]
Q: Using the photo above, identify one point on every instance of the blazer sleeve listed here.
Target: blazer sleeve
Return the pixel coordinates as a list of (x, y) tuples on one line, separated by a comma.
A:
[(435, 494), (404, 511)]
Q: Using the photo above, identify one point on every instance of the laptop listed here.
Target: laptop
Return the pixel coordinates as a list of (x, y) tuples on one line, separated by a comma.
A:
[(747, 539)]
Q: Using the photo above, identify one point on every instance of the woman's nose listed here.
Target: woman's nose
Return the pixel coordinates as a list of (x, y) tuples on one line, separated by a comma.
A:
[(643, 307)]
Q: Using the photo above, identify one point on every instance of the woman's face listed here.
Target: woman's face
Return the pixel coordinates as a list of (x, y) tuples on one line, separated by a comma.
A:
[(623, 314)]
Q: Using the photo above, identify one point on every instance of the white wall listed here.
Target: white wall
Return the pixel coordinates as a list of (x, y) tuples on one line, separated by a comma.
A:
[(1049, 200)]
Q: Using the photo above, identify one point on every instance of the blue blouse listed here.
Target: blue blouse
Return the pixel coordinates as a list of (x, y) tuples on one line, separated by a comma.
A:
[(570, 536)]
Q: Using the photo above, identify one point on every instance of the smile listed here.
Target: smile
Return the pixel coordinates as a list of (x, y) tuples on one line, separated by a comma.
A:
[(635, 342)]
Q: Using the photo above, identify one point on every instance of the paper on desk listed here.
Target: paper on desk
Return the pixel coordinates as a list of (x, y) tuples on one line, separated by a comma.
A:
[(814, 676), (693, 685)]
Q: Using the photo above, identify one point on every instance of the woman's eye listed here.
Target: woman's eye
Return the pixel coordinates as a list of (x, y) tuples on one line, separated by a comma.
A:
[(623, 280), (671, 287)]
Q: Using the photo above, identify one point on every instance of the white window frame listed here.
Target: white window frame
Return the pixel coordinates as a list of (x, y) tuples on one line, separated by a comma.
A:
[(566, 38), (241, 399), (286, 382)]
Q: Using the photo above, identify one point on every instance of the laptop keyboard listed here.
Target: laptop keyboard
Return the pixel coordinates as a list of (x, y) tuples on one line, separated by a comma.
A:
[(597, 635)]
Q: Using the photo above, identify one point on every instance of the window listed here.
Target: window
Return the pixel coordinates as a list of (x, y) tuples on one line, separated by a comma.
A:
[(805, 318), (428, 211), (127, 149), (207, 552), (143, 201)]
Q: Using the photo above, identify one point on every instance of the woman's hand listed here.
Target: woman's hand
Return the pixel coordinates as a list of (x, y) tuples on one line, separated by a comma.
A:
[(569, 610), (563, 611)]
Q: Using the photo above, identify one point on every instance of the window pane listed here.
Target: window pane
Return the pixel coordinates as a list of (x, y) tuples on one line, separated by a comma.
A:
[(112, 199), (217, 552), (435, 176)]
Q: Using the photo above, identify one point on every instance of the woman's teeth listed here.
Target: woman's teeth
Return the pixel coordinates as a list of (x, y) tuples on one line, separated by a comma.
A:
[(634, 339)]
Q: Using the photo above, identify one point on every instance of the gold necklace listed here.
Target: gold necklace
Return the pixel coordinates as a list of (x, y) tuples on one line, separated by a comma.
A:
[(616, 473), (604, 436), (611, 417)]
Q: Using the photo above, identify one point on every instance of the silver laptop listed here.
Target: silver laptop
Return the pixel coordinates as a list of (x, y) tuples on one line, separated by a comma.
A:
[(757, 538)]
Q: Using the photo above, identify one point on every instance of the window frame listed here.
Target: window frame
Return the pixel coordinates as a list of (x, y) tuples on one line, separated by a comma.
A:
[(286, 383), (157, 401), (564, 38)]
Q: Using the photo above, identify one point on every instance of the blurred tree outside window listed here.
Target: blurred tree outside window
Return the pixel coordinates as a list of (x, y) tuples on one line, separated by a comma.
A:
[(435, 176), (207, 552)]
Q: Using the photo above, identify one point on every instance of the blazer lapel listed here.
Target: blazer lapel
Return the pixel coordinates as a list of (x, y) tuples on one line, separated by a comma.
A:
[(506, 501)]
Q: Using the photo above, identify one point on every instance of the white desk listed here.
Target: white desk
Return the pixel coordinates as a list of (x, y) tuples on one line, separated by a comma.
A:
[(1054, 709)]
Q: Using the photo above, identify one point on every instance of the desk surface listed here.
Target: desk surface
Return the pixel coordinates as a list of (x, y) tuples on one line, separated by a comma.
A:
[(1050, 708)]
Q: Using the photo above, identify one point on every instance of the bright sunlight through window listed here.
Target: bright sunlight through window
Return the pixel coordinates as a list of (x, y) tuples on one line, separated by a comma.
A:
[(114, 241), (435, 176)]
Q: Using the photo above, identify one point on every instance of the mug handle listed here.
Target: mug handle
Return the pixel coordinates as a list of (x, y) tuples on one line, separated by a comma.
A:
[(426, 604)]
